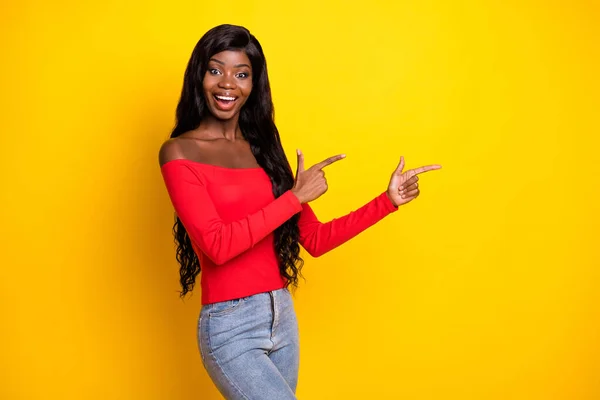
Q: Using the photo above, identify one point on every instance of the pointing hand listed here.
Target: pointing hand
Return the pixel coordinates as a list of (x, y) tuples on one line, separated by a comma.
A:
[(403, 186), (311, 183)]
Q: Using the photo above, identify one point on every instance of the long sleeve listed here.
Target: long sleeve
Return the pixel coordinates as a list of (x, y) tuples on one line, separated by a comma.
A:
[(221, 241), (318, 238)]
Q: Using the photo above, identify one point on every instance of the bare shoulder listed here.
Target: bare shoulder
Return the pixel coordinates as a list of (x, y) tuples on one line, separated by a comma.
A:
[(191, 145), (170, 150)]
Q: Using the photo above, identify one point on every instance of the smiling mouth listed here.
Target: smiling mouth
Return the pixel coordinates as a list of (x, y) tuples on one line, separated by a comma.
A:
[(226, 98), (225, 103)]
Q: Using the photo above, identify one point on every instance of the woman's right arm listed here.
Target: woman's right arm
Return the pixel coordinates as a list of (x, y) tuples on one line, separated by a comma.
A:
[(220, 241)]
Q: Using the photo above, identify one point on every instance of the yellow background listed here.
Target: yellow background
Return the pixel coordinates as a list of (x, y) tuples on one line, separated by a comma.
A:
[(486, 287)]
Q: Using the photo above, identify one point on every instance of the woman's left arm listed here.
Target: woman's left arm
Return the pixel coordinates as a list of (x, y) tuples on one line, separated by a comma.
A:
[(318, 238)]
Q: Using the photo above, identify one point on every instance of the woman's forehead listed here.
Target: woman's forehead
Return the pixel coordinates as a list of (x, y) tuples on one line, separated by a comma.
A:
[(231, 58)]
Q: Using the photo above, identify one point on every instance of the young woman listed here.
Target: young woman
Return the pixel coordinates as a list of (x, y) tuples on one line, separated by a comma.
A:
[(242, 215)]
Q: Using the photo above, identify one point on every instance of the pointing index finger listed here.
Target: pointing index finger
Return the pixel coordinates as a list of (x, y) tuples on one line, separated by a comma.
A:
[(420, 170), (329, 161)]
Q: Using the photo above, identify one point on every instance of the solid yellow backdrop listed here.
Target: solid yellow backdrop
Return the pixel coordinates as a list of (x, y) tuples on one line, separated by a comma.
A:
[(486, 287)]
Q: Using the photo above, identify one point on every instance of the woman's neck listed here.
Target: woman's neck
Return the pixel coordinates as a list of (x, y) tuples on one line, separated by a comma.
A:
[(229, 129)]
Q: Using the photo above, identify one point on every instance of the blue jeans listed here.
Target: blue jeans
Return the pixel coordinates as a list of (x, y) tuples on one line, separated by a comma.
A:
[(249, 346)]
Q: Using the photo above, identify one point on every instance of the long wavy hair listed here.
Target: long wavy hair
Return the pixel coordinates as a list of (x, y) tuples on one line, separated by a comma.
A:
[(257, 124)]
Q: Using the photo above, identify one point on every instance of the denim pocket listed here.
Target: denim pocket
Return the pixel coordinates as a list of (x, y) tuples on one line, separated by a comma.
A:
[(225, 307)]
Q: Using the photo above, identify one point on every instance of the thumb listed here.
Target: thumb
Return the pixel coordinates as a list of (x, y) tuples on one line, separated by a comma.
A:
[(300, 162), (400, 166)]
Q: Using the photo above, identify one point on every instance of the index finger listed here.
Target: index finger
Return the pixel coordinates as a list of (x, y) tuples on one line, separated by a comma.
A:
[(420, 170), (329, 161)]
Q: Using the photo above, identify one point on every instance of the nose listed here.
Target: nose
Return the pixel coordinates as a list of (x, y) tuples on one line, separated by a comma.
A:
[(227, 82)]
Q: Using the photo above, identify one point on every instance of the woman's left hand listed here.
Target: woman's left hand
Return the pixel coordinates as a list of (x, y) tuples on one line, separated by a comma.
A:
[(404, 186)]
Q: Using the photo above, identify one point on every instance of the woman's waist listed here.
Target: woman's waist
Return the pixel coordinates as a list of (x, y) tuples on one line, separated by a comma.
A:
[(262, 252)]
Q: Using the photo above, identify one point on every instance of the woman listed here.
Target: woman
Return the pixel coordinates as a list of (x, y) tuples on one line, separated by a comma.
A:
[(242, 214)]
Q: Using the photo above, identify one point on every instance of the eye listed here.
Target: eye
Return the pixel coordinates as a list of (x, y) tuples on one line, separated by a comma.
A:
[(243, 75), (213, 71)]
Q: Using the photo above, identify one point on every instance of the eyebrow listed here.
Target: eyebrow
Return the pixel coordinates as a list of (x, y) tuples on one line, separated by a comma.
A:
[(235, 66)]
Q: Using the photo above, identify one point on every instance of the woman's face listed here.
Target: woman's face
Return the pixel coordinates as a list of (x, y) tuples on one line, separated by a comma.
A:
[(227, 83)]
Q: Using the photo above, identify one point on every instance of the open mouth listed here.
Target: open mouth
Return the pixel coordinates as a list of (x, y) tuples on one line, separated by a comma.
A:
[(225, 103)]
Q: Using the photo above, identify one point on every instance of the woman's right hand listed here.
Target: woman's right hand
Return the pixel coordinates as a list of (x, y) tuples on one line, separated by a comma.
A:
[(311, 183)]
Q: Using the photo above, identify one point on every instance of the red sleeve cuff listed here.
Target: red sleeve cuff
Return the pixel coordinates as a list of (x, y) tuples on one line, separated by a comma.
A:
[(292, 200), (387, 203)]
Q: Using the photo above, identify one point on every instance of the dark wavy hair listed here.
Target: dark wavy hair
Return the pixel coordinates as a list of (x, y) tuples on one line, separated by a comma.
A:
[(258, 128)]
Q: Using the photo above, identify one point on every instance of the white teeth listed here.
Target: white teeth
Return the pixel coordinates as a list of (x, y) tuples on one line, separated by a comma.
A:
[(226, 98)]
